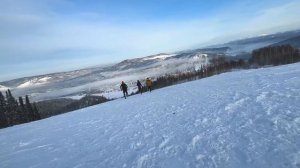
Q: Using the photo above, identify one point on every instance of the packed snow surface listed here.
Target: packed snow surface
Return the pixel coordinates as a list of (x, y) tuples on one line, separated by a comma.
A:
[(246, 119)]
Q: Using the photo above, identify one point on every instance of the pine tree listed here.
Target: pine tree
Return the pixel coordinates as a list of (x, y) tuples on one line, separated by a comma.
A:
[(22, 111), (13, 109), (9, 108), (3, 116), (29, 109), (14, 112), (37, 115)]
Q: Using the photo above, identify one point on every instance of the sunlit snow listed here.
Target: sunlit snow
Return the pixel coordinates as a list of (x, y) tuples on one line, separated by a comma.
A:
[(240, 119)]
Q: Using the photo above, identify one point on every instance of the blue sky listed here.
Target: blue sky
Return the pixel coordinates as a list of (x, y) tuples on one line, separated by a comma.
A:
[(43, 36)]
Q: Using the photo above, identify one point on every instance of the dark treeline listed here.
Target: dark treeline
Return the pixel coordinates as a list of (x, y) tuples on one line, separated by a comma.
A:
[(218, 65), (50, 108), (277, 55), (13, 111), (17, 111)]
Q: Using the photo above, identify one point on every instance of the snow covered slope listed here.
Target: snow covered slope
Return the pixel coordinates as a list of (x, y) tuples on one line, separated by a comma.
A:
[(243, 119)]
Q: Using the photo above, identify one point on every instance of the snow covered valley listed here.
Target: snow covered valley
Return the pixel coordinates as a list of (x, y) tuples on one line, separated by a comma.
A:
[(247, 118)]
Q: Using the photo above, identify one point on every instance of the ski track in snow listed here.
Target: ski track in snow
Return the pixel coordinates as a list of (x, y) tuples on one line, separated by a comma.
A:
[(248, 118)]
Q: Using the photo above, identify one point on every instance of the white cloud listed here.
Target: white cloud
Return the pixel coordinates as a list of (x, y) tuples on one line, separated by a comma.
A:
[(39, 32), (280, 18), (32, 29)]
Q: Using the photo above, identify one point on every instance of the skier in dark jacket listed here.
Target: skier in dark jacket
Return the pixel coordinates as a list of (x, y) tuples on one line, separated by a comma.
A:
[(139, 85), (124, 88)]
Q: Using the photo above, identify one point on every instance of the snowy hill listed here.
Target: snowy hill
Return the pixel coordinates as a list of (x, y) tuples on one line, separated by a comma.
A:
[(247, 45), (3, 88), (105, 79), (35, 81), (101, 80), (295, 42), (240, 119)]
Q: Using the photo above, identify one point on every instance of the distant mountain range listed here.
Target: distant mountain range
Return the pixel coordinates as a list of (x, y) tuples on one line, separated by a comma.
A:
[(105, 80)]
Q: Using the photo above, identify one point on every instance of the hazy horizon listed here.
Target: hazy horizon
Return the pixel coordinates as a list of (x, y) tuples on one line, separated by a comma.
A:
[(48, 36)]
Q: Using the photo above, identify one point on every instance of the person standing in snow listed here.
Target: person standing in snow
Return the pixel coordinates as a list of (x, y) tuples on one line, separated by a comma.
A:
[(124, 88), (139, 85), (149, 84)]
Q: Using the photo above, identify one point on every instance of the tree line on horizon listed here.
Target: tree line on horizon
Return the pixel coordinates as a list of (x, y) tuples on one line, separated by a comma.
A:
[(13, 111), (272, 55), (54, 107), (17, 111), (275, 55), (218, 65)]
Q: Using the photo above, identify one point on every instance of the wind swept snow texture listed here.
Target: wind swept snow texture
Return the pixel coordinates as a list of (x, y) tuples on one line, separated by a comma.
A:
[(240, 119)]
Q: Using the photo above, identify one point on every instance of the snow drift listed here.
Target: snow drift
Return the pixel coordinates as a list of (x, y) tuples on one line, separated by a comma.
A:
[(240, 119)]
